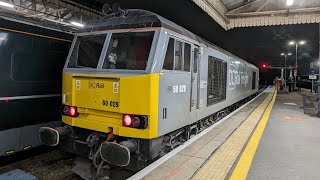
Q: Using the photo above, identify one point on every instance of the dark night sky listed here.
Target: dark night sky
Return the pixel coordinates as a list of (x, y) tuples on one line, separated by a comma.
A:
[(255, 45)]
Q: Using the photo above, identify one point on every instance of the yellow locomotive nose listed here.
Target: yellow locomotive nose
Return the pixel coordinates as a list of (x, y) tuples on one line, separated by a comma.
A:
[(107, 103)]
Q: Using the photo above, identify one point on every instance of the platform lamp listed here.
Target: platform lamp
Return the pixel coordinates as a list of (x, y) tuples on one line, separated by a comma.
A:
[(294, 43), (285, 66)]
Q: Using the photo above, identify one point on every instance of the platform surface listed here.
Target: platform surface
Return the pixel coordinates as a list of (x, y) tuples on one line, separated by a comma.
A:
[(187, 163), (290, 145), (270, 138)]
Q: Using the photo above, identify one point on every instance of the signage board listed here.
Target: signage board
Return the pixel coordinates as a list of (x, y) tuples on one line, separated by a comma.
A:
[(312, 76)]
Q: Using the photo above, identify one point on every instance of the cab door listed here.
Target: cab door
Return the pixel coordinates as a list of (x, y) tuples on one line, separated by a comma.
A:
[(194, 80)]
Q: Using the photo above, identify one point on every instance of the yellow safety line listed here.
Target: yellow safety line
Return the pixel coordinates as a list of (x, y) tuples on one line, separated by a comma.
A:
[(243, 166)]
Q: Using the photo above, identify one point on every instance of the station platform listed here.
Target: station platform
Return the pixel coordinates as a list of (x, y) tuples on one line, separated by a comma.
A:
[(270, 137)]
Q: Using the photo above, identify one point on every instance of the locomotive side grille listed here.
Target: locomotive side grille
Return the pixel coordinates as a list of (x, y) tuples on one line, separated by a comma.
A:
[(217, 78)]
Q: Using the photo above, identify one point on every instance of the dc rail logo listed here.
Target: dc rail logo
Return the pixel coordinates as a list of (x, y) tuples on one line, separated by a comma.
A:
[(93, 85)]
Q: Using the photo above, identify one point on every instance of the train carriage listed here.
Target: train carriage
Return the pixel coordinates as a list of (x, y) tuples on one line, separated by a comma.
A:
[(31, 63), (136, 85)]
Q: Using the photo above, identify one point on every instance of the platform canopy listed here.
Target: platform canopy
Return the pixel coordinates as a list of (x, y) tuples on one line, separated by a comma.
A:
[(250, 13)]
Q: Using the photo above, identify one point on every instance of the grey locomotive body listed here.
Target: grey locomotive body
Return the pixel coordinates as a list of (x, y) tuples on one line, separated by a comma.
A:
[(216, 80)]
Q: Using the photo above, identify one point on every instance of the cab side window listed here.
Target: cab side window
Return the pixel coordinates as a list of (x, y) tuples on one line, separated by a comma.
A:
[(169, 59), (177, 56)]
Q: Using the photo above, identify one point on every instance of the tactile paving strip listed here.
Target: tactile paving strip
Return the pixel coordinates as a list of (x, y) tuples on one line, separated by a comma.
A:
[(220, 163), (17, 174)]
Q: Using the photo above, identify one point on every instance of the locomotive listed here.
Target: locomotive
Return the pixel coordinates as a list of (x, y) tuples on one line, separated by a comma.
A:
[(136, 85)]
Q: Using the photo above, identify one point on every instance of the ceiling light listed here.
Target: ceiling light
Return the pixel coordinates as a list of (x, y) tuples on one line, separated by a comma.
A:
[(237, 62), (6, 4), (289, 54), (282, 54), (289, 2), (77, 24)]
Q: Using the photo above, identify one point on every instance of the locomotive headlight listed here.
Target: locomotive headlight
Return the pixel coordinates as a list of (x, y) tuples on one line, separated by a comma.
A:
[(136, 122), (65, 110)]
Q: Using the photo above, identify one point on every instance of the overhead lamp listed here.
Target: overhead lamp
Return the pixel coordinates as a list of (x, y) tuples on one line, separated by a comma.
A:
[(289, 54), (237, 62), (292, 43), (302, 42), (289, 2), (282, 54), (77, 24), (6, 4)]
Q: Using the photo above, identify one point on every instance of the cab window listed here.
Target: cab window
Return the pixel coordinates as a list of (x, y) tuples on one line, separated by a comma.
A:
[(128, 50), (86, 51)]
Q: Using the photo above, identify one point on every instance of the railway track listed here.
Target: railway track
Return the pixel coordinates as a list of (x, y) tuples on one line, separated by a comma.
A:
[(50, 165)]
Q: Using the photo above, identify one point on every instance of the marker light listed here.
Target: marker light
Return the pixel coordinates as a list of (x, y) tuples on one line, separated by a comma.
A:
[(127, 120), (77, 24), (6, 4)]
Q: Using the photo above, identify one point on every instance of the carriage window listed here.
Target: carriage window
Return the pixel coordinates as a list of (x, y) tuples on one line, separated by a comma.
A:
[(86, 51), (187, 52), (168, 61), (217, 78), (128, 51)]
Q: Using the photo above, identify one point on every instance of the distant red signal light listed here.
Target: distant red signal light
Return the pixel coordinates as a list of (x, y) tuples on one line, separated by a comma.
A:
[(264, 66)]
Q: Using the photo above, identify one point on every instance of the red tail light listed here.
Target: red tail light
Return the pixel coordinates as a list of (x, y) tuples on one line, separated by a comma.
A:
[(70, 111), (135, 121), (127, 120)]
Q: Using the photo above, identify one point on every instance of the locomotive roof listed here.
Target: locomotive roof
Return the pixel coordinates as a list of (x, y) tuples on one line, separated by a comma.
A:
[(137, 18)]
